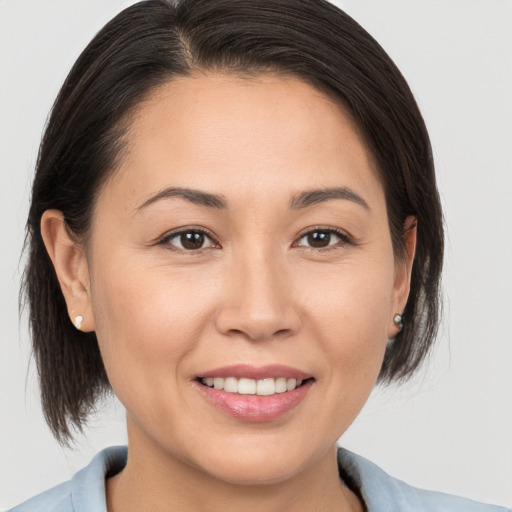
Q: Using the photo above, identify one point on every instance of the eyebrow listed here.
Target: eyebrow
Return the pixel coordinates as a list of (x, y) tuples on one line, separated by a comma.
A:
[(311, 197), (194, 196), (218, 202)]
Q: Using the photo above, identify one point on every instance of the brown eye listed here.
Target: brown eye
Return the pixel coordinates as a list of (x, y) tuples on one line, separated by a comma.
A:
[(320, 238), (191, 240)]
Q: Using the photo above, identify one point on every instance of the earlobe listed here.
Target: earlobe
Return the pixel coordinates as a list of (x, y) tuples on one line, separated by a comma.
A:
[(70, 264), (403, 273)]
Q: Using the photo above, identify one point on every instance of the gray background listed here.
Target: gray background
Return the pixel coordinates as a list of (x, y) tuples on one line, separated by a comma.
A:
[(451, 427)]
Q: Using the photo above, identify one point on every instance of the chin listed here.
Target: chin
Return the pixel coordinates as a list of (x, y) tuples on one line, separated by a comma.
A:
[(244, 474), (255, 466)]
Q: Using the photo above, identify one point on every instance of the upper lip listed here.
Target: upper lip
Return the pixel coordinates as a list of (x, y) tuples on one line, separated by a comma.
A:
[(247, 371)]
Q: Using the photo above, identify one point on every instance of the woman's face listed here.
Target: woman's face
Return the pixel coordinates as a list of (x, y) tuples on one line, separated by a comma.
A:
[(244, 237)]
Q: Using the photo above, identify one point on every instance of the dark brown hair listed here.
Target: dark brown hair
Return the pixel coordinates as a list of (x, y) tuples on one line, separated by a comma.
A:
[(153, 42)]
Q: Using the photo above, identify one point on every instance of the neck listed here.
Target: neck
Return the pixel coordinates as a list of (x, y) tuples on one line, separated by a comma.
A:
[(155, 480)]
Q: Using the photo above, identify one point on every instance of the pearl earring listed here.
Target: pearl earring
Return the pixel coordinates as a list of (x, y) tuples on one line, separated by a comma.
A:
[(78, 321), (399, 321)]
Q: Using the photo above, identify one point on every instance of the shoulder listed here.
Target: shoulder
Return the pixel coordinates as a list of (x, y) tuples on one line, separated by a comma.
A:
[(57, 499), (383, 493), (85, 492)]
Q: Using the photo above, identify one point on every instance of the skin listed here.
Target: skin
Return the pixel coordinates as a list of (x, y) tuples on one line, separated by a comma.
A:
[(257, 293)]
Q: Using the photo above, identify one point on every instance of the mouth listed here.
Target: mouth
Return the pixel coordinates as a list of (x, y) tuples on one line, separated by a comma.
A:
[(255, 394), (245, 386)]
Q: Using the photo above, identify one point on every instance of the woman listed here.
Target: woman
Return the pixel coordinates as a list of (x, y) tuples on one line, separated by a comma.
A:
[(235, 225)]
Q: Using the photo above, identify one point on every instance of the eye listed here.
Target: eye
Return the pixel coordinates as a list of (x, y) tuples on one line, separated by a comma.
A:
[(321, 238), (189, 240)]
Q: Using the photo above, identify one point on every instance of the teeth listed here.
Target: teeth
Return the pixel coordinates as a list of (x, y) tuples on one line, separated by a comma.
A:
[(231, 385), (262, 387), (281, 385), (290, 384), (266, 387), (247, 387)]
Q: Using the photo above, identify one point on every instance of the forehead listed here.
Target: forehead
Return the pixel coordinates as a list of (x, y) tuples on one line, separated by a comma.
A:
[(221, 132)]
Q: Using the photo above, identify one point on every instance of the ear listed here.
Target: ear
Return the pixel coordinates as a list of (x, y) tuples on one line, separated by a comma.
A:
[(70, 264), (403, 272)]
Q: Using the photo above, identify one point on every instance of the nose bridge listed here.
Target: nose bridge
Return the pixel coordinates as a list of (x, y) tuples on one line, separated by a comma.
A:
[(262, 287), (259, 304)]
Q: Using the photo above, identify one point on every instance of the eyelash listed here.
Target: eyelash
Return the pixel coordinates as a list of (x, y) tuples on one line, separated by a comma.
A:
[(165, 240), (344, 239)]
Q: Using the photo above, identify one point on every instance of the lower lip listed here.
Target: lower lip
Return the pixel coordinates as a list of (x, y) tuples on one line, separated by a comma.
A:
[(256, 408)]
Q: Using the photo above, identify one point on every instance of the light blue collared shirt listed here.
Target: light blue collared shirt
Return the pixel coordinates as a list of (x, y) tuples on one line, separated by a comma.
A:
[(85, 492)]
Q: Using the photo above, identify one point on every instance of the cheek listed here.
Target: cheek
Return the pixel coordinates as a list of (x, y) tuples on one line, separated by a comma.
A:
[(147, 322), (351, 318), (354, 302), (355, 345)]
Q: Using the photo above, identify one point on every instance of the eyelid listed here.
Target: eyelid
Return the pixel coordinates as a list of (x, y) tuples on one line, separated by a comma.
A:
[(345, 238), (164, 239)]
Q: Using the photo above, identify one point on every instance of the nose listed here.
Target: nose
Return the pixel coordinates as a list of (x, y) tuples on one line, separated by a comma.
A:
[(259, 303)]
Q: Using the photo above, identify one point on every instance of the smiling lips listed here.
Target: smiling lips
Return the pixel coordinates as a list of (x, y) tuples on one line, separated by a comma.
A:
[(244, 386), (255, 394)]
